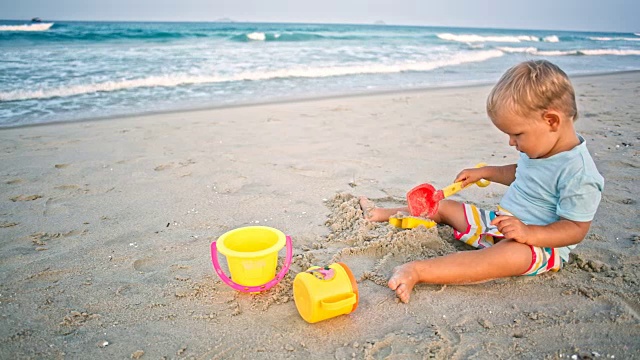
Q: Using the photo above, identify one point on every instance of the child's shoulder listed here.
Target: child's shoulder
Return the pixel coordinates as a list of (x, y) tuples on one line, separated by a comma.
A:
[(578, 169)]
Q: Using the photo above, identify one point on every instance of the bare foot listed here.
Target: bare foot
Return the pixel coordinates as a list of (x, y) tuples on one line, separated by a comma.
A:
[(403, 280), (376, 214), (367, 207)]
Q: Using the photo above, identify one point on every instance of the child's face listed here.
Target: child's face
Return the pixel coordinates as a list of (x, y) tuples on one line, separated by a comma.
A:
[(530, 134)]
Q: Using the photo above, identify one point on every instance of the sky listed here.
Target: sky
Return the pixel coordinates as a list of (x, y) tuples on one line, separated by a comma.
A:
[(585, 15)]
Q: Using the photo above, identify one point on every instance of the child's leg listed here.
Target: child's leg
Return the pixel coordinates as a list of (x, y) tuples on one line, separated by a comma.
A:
[(506, 258), (449, 212), (376, 214)]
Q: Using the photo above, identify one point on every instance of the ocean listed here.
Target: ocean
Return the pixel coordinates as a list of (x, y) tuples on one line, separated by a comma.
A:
[(69, 71)]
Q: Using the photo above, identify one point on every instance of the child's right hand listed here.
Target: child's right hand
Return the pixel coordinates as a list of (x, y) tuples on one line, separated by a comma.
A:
[(470, 176)]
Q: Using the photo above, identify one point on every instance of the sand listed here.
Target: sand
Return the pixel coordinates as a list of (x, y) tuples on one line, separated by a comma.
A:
[(105, 229)]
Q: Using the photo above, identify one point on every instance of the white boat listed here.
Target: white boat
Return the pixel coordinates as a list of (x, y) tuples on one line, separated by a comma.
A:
[(27, 27)]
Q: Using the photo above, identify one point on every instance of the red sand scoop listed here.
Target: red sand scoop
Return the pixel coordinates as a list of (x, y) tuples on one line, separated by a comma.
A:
[(423, 199)]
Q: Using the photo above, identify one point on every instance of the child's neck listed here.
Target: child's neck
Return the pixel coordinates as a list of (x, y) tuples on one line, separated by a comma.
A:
[(566, 141)]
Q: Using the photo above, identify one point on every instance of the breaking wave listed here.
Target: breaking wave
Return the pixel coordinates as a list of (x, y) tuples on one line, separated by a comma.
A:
[(469, 38), (301, 72), (596, 38), (588, 52)]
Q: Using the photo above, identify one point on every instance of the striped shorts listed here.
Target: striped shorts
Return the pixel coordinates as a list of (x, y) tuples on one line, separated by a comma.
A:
[(481, 234)]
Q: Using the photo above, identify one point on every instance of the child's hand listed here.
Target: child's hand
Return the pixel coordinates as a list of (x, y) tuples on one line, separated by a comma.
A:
[(470, 176), (512, 228)]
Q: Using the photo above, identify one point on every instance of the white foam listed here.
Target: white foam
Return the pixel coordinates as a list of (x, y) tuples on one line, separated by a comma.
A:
[(27, 27), (556, 52), (302, 72), (530, 50), (591, 52), (636, 34), (468, 38), (257, 36), (613, 38), (610, 52), (551, 39)]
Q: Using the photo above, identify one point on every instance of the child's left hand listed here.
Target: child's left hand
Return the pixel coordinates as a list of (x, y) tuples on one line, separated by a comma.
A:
[(512, 228)]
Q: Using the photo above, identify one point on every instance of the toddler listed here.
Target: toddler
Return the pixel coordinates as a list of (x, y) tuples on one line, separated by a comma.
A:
[(554, 189)]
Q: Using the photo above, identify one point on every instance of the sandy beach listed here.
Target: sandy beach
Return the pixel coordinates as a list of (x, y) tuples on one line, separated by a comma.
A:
[(105, 229)]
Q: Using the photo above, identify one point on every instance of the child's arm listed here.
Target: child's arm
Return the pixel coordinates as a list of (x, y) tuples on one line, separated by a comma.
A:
[(505, 174), (558, 234)]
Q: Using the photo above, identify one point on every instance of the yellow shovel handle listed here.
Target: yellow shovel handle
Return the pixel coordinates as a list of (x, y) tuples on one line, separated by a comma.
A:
[(455, 187), (482, 182)]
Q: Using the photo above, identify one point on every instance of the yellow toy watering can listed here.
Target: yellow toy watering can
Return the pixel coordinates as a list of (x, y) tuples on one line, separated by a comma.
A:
[(324, 292)]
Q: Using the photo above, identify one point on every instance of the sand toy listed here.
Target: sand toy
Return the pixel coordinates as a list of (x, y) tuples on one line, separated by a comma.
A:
[(424, 198), (321, 293), (406, 221), (252, 257)]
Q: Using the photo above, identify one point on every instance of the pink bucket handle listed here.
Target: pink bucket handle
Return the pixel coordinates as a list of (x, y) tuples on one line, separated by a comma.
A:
[(257, 288)]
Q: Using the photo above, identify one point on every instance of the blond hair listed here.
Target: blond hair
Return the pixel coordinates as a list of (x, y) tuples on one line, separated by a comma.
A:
[(533, 86)]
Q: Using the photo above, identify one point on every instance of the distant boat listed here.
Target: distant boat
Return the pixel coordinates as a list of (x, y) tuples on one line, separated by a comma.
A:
[(33, 26), (36, 20)]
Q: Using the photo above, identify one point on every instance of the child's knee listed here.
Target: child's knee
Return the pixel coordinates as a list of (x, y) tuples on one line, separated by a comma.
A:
[(451, 212)]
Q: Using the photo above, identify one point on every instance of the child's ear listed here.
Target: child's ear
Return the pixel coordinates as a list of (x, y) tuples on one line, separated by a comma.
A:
[(552, 118)]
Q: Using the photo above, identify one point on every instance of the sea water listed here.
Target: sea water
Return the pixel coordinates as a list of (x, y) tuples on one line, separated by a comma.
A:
[(67, 71)]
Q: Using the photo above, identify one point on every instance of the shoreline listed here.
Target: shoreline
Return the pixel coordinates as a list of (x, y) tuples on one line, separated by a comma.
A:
[(297, 100)]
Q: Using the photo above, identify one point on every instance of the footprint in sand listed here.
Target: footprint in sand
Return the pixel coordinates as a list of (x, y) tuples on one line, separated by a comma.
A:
[(72, 189), (41, 239), (61, 205), (163, 167), (14, 181), (410, 346), (25, 198), (340, 108), (147, 265), (170, 165), (61, 166), (312, 173), (232, 186)]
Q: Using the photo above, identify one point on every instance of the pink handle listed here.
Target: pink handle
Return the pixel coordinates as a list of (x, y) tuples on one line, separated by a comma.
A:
[(257, 288)]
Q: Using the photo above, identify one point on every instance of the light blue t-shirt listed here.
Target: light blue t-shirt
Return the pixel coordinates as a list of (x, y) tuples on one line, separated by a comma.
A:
[(566, 185)]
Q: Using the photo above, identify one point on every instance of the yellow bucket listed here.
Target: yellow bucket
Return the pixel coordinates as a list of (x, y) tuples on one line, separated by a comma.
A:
[(324, 292), (252, 253)]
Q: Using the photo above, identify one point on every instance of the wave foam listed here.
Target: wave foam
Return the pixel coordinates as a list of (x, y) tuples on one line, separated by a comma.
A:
[(530, 50), (609, 52), (468, 38), (551, 39), (589, 52), (257, 36), (27, 27), (178, 80), (613, 38)]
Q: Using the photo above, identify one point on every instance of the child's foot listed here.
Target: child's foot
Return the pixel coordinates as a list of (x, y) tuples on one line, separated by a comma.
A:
[(371, 212), (403, 280)]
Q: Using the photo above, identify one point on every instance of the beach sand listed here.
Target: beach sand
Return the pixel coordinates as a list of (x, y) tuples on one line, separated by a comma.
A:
[(105, 229)]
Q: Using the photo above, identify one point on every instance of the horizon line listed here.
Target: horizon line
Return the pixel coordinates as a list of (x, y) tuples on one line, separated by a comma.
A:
[(373, 23)]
